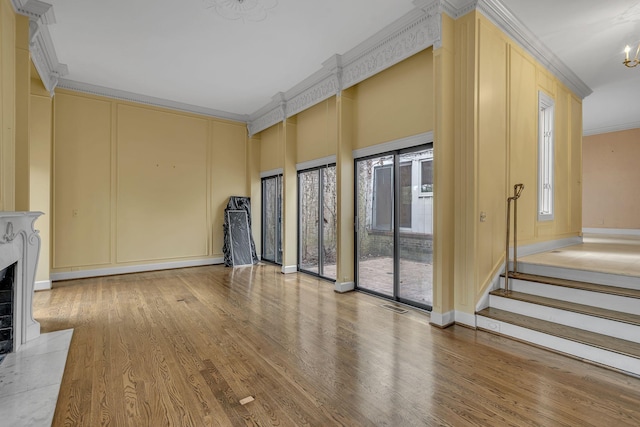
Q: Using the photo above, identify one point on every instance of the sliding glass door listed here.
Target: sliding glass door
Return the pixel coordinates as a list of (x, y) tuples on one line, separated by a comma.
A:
[(394, 226), (317, 221), (272, 219)]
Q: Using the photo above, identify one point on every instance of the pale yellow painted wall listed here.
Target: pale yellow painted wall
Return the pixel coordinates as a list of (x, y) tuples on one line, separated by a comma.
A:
[(395, 103), (139, 184), (255, 189), (161, 197), (611, 177), (444, 172), (317, 131), (345, 179), (271, 148), (491, 150), (289, 196), (7, 105), (40, 136), (21, 132), (82, 182), (228, 172), (497, 148)]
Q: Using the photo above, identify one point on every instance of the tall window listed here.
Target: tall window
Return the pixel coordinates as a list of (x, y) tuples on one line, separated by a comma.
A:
[(545, 156), (426, 176)]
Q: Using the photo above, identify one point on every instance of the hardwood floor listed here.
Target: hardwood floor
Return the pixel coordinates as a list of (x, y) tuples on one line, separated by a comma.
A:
[(183, 347)]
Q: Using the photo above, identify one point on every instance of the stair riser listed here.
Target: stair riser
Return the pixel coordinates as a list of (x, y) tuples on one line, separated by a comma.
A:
[(597, 355), (579, 296), (598, 325), (622, 281)]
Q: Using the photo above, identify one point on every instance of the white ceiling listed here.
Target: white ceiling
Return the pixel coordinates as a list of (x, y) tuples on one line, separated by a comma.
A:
[(184, 51), (589, 36)]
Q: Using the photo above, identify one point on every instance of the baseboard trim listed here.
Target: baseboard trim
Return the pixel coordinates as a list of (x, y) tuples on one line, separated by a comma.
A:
[(111, 271), (465, 319), (549, 245), (617, 231), (442, 320), (42, 285), (342, 287), (288, 269)]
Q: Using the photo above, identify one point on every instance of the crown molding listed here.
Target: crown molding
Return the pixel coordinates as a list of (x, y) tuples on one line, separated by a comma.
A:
[(504, 19), (414, 32), (148, 100), (609, 129), (409, 35), (43, 53)]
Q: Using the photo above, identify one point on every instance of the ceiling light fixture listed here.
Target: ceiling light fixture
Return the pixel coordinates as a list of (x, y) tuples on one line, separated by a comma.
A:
[(242, 10), (631, 62)]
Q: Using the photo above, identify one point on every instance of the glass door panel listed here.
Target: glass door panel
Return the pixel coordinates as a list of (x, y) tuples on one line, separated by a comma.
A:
[(271, 219), (374, 231), (415, 210), (308, 184), (329, 223)]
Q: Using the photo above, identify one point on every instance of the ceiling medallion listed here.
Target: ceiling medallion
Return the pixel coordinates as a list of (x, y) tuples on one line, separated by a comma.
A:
[(243, 10)]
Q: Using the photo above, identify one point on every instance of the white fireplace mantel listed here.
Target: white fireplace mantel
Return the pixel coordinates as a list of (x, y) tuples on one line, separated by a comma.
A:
[(20, 243)]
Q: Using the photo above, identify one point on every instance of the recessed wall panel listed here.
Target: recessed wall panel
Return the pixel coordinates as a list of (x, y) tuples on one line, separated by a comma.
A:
[(82, 181), (228, 175), (162, 185)]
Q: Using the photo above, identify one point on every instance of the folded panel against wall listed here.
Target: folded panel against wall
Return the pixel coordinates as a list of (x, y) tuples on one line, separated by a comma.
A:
[(239, 247)]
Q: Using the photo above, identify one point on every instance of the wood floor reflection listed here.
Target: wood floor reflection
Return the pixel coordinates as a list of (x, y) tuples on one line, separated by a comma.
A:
[(183, 347)]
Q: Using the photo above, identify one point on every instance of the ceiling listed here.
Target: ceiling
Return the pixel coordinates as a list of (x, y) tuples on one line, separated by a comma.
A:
[(191, 52)]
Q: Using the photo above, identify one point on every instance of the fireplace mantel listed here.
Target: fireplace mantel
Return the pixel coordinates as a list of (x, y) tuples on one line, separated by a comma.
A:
[(20, 243)]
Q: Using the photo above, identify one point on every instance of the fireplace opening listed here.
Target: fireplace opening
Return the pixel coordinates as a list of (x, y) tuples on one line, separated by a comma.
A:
[(7, 281)]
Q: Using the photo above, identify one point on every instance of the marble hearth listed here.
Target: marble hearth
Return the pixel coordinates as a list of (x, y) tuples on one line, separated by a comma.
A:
[(20, 245)]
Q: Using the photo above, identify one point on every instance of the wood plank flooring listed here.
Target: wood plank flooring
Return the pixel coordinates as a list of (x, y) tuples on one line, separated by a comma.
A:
[(183, 347)]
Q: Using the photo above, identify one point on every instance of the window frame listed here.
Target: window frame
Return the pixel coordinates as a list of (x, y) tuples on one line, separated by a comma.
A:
[(426, 193), (546, 156)]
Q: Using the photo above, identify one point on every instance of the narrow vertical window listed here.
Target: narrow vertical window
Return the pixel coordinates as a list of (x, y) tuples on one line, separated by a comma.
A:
[(545, 156)]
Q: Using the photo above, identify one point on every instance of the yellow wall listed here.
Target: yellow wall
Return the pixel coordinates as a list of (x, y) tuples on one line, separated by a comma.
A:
[(161, 196), (138, 184), (395, 103), (21, 130), (316, 131), (271, 148), (7, 105), (444, 173), (611, 177), (497, 147)]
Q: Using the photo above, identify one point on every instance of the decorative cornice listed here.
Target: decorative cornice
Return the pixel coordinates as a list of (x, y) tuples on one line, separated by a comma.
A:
[(272, 113), (411, 39), (324, 89), (512, 26), (43, 53), (148, 100), (410, 34)]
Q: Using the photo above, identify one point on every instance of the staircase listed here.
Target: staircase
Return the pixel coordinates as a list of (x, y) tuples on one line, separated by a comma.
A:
[(565, 311)]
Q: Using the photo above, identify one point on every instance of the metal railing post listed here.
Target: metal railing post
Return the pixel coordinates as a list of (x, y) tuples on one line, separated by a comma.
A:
[(517, 191)]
